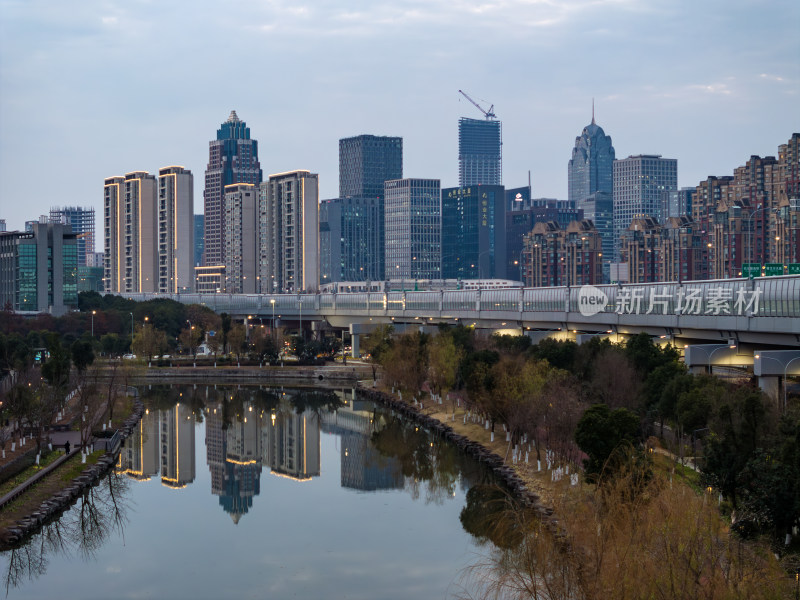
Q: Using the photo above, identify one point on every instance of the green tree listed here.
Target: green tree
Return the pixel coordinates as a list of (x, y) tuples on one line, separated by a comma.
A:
[(82, 353), (237, 340), (190, 339), (601, 431), (376, 344), (738, 426), (225, 322), (443, 361), (56, 369)]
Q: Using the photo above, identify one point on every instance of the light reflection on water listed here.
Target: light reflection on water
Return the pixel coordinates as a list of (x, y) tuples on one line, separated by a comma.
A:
[(312, 494)]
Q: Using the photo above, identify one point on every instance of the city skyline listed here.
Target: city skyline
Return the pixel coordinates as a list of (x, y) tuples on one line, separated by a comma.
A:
[(718, 95)]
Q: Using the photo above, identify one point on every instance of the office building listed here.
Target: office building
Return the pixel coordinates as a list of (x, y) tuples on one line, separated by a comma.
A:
[(232, 158), (2, 225), (242, 251), (474, 232), (366, 162), (599, 209), (351, 239), (130, 224), (175, 230), (639, 183), (289, 232), (81, 220), (413, 229), (199, 239), (677, 203), (39, 269), (480, 158), (591, 168)]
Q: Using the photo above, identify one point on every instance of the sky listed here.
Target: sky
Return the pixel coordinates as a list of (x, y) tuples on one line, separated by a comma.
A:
[(95, 88)]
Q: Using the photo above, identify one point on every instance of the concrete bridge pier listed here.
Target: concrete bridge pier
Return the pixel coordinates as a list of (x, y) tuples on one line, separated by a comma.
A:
[(773, 367), (701, 358)]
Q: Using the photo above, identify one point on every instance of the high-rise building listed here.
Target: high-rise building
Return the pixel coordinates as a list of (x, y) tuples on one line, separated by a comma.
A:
[(599, 209), (591, 168), (175, 230), (413, 229), (39, 269), (82, 222), (591, 183), (366, 162), (480, 158), (677, 203), (130, 224), (351, 239), (554, 256), (199, 239), (474, 232), (232, 158), (639, 182), (241, 258), (2, 225), (289, 232)]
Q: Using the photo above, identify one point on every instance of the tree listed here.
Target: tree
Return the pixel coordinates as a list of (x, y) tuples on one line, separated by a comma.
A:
[(225, 321), (615, 380), (376, 344), (737, 426), (443, 361), (149, 341), (601, 431), (82, 353), (56, 368), (237, 340), (405, 365), (190, 339), (263, 345)]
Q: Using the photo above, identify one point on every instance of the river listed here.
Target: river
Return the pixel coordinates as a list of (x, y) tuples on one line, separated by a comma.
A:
[(253, 492)]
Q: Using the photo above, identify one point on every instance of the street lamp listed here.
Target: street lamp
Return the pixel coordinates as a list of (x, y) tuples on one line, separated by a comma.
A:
[(750, 230), (93, 313), (731, 345), (272, 301), (785, 373), (131, 327)]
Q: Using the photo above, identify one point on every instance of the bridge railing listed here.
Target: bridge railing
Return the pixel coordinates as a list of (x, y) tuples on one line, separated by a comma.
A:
[(760, 297)]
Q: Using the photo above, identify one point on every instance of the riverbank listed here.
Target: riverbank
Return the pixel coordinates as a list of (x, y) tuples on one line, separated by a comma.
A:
[(534, 488), (38, 503), (349, 373)]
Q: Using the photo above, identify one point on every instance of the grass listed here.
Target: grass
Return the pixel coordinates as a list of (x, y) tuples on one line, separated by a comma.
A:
[(45, 488), (681, 473), (23, 476), (74, 468)]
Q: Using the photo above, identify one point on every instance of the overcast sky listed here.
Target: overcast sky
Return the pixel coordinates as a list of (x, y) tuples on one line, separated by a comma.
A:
[(95, 88)]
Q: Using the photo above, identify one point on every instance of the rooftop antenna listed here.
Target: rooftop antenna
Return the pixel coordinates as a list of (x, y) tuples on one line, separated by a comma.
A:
[(489, 114)]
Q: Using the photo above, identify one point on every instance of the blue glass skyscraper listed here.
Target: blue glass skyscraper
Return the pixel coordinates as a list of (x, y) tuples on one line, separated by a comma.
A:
[(480, 160)]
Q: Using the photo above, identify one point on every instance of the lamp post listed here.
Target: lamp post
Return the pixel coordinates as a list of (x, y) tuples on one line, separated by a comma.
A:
[(785, 373), (93, 313), (131, 327), (750, 230), (272, 301), (715, 350)]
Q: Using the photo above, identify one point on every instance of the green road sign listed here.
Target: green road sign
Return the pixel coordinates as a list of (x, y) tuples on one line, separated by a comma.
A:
[(794, 269), (773, 269), (751, 270)]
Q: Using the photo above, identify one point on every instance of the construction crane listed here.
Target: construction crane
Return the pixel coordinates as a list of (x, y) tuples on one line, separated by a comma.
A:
[(489, 114)]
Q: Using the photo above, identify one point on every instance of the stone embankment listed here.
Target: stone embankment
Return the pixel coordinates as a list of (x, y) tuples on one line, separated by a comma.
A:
[(505, 473), (252, 374), (52, 508)]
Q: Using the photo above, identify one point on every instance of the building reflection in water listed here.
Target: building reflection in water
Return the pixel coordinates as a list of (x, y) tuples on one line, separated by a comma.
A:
[(363, 468), (138, 459), (177, 446), (250, 428)]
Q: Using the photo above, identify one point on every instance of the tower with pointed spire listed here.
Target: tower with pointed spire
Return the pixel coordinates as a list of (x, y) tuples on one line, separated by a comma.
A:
[(232, 158), (591, 182), (591, 167)]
